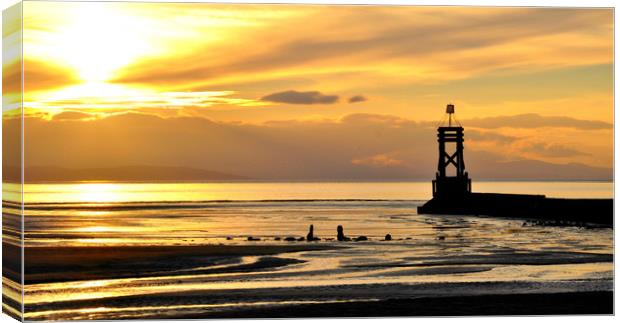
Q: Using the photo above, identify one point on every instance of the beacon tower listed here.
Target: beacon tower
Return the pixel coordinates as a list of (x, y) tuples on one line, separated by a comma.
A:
[(451, 180)]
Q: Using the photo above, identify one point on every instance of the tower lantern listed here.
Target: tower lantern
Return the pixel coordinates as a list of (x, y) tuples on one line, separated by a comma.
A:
[(450, 112), (451, 148)]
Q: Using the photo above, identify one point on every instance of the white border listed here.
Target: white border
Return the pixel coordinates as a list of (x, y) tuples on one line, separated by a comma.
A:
[(525, 3)]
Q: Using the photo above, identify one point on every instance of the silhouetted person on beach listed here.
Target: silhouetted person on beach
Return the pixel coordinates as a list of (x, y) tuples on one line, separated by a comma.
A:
[(341, 236)]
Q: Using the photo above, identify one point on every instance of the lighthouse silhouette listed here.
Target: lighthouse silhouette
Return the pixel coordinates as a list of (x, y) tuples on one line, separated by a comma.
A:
[(451, 179), (452, 191)]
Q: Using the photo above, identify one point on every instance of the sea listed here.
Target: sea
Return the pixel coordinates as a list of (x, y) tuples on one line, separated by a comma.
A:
[(436, 255)]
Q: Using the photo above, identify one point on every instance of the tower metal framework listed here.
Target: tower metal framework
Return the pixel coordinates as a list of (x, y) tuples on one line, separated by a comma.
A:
[(459, 185)]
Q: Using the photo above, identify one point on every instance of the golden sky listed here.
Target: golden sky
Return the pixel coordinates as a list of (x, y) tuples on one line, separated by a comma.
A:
[(530, 84)]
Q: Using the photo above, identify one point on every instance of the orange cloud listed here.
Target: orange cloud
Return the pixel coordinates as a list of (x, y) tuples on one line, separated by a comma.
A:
[(403, 45), (351, 148), (410, 60), (381, 160), (40, 75), (543, 149), (512, 72), (107, 98), (533, 120), (73, 116)]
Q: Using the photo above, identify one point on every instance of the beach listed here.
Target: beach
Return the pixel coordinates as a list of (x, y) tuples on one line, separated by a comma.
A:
[(270, 281), (49, 264), (231, 258), (513, 304), (267, 281)]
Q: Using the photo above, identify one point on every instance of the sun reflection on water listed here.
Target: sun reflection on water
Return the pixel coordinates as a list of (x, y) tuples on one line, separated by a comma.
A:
[(98, 192), (110, 192)]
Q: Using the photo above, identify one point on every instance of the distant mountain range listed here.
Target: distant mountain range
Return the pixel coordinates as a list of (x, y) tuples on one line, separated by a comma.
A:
[(38, 174)]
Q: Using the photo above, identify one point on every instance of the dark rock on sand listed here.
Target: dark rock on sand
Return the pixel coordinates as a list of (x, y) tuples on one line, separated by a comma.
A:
[(388, 237), (301, 239), (340, 236), (310, 236), (290, 239), (253, 239), (361, 238), (277, 238)]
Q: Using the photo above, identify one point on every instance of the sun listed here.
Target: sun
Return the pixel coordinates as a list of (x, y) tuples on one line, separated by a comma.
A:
[(102, 40), (94, 39)]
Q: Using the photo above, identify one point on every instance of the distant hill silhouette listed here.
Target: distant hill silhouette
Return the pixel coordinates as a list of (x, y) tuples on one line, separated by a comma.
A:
[(515, 170), (121, 174), (539, 170)]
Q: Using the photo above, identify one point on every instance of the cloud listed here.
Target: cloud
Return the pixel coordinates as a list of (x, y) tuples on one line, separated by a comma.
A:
[(489, 136), (295, 97), (357, 98), (532, 120), (356, 147), (40, 75), (12, 78), (372, 119), (114, 97), (381, 160), (403, 44), (73, 116), (551, 150)]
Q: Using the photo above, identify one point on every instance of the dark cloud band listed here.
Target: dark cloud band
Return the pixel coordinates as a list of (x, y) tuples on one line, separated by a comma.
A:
[(295, 97), (357, 98)]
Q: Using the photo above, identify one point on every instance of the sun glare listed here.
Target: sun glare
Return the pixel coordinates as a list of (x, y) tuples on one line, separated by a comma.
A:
[(97, 192), (97, 39)]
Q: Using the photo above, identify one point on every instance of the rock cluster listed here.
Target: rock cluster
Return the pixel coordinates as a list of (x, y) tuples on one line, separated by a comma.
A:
[(311, 237)]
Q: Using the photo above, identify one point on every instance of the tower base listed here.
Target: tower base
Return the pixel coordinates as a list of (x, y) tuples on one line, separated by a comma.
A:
[(451, 187)]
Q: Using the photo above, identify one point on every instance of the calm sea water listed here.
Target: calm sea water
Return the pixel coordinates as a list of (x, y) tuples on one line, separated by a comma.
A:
[(430, 254), (157, 192)]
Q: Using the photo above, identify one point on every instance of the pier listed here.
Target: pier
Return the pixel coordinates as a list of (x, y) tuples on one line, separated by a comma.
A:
[(452, 192)]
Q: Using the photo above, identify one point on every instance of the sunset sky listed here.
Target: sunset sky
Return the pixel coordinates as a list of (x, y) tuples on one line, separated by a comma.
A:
[(303, 91)]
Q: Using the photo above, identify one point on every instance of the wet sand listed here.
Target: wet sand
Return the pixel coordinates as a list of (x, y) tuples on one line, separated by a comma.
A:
[(436, 299), (199, 263), (516, 304), (53, 264), (278, 280)]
